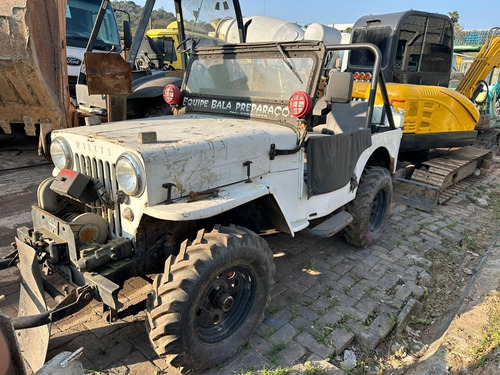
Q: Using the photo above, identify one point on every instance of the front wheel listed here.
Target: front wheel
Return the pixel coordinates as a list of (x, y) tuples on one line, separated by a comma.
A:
[(370, 208), (210, 298)]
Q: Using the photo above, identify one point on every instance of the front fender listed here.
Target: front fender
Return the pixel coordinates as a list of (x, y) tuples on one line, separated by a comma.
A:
[(228, 197)]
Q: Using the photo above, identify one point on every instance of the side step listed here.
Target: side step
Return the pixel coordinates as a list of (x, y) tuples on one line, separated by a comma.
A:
[(444, 178), (331, 226)]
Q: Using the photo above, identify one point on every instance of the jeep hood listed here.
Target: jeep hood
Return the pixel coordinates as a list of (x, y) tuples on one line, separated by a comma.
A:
[(193, 152)]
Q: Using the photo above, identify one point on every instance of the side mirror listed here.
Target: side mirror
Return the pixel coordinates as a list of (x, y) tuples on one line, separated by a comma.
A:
[(127, 35)]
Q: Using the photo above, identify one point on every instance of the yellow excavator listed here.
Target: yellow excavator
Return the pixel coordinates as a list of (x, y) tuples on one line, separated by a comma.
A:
[(417, 50), (481, 83), (487, 59)]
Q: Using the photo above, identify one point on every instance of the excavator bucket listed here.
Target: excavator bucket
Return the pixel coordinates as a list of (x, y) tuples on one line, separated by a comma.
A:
[(33, 74)]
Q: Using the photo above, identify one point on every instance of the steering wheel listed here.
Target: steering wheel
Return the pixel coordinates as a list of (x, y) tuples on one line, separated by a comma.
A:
[(194, 42)]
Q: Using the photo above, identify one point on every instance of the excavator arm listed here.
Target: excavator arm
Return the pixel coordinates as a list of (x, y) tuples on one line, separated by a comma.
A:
[(485, 61)]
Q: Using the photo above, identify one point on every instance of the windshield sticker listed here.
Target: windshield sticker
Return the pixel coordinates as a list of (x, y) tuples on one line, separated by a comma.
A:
[(236, 107)]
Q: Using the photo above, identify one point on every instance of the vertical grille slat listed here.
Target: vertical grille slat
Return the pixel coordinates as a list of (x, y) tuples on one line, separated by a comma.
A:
[(105, 173), (114, 189)]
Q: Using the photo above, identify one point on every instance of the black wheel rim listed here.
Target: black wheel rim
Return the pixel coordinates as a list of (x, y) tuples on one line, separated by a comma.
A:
[(378, 210), (225, 304)]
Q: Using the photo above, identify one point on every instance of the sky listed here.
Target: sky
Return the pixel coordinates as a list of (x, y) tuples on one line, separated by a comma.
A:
[(474, 14)]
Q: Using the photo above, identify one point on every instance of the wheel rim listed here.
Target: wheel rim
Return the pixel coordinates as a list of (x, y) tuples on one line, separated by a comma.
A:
[(378, 210), (225, 304)]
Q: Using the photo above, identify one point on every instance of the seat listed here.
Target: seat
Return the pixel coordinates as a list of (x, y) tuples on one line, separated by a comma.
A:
[(347, 117), (344, 115)]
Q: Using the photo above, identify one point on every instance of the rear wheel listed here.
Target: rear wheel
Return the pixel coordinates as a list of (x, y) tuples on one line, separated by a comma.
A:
[(370, 208), (210, 298)]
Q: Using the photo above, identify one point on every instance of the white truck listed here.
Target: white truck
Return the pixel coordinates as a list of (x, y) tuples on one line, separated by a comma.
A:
[(266, 138), (80, 18)]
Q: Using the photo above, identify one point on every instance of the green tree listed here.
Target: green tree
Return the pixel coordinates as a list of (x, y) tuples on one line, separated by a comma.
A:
[(457, 28), (454, 16), (160, 18)]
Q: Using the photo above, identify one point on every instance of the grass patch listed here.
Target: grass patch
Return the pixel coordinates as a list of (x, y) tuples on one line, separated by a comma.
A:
[(489, 339), (321, 336), (277, 371), (275, 350), (425, 320), (471, 243), (311, 266), (249, 371), (333, 303), (310, 369)]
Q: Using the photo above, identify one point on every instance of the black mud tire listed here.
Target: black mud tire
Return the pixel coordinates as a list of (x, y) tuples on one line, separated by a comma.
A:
[(210, 298), (370, 208)]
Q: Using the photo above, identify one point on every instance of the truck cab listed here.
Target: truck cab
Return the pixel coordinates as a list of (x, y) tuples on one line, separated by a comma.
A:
[(80, 18)]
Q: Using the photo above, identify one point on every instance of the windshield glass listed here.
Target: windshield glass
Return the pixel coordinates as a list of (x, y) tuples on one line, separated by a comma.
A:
[(272, 77), (379, 36), (80, 17), (211, 22)]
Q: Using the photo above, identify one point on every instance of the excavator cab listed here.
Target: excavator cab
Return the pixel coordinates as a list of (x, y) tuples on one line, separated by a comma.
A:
[(417, 47)]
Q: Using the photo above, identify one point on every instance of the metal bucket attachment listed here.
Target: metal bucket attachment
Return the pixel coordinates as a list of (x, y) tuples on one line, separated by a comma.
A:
[(33, 342), (415, 194)]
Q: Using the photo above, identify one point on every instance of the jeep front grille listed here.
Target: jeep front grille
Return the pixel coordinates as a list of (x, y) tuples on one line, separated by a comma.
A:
[(106, 174)]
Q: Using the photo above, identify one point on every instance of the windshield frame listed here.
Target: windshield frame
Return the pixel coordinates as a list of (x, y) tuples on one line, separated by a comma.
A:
[(216, 103), (183, 9)]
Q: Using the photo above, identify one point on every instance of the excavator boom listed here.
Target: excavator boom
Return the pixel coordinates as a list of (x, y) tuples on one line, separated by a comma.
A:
[(485, 61)]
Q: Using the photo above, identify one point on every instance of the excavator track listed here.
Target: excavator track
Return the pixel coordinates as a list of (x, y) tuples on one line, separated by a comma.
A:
[(452, 167), (444, 177)]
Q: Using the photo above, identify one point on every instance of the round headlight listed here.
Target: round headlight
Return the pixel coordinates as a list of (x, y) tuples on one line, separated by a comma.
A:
[(60, 152), (129, 174)]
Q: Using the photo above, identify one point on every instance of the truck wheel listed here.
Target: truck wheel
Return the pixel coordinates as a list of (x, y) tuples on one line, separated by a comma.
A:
[(370, 207), (210, 298)]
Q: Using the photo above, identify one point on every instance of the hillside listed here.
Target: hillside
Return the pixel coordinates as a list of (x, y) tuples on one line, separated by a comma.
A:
[(160, 17)]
